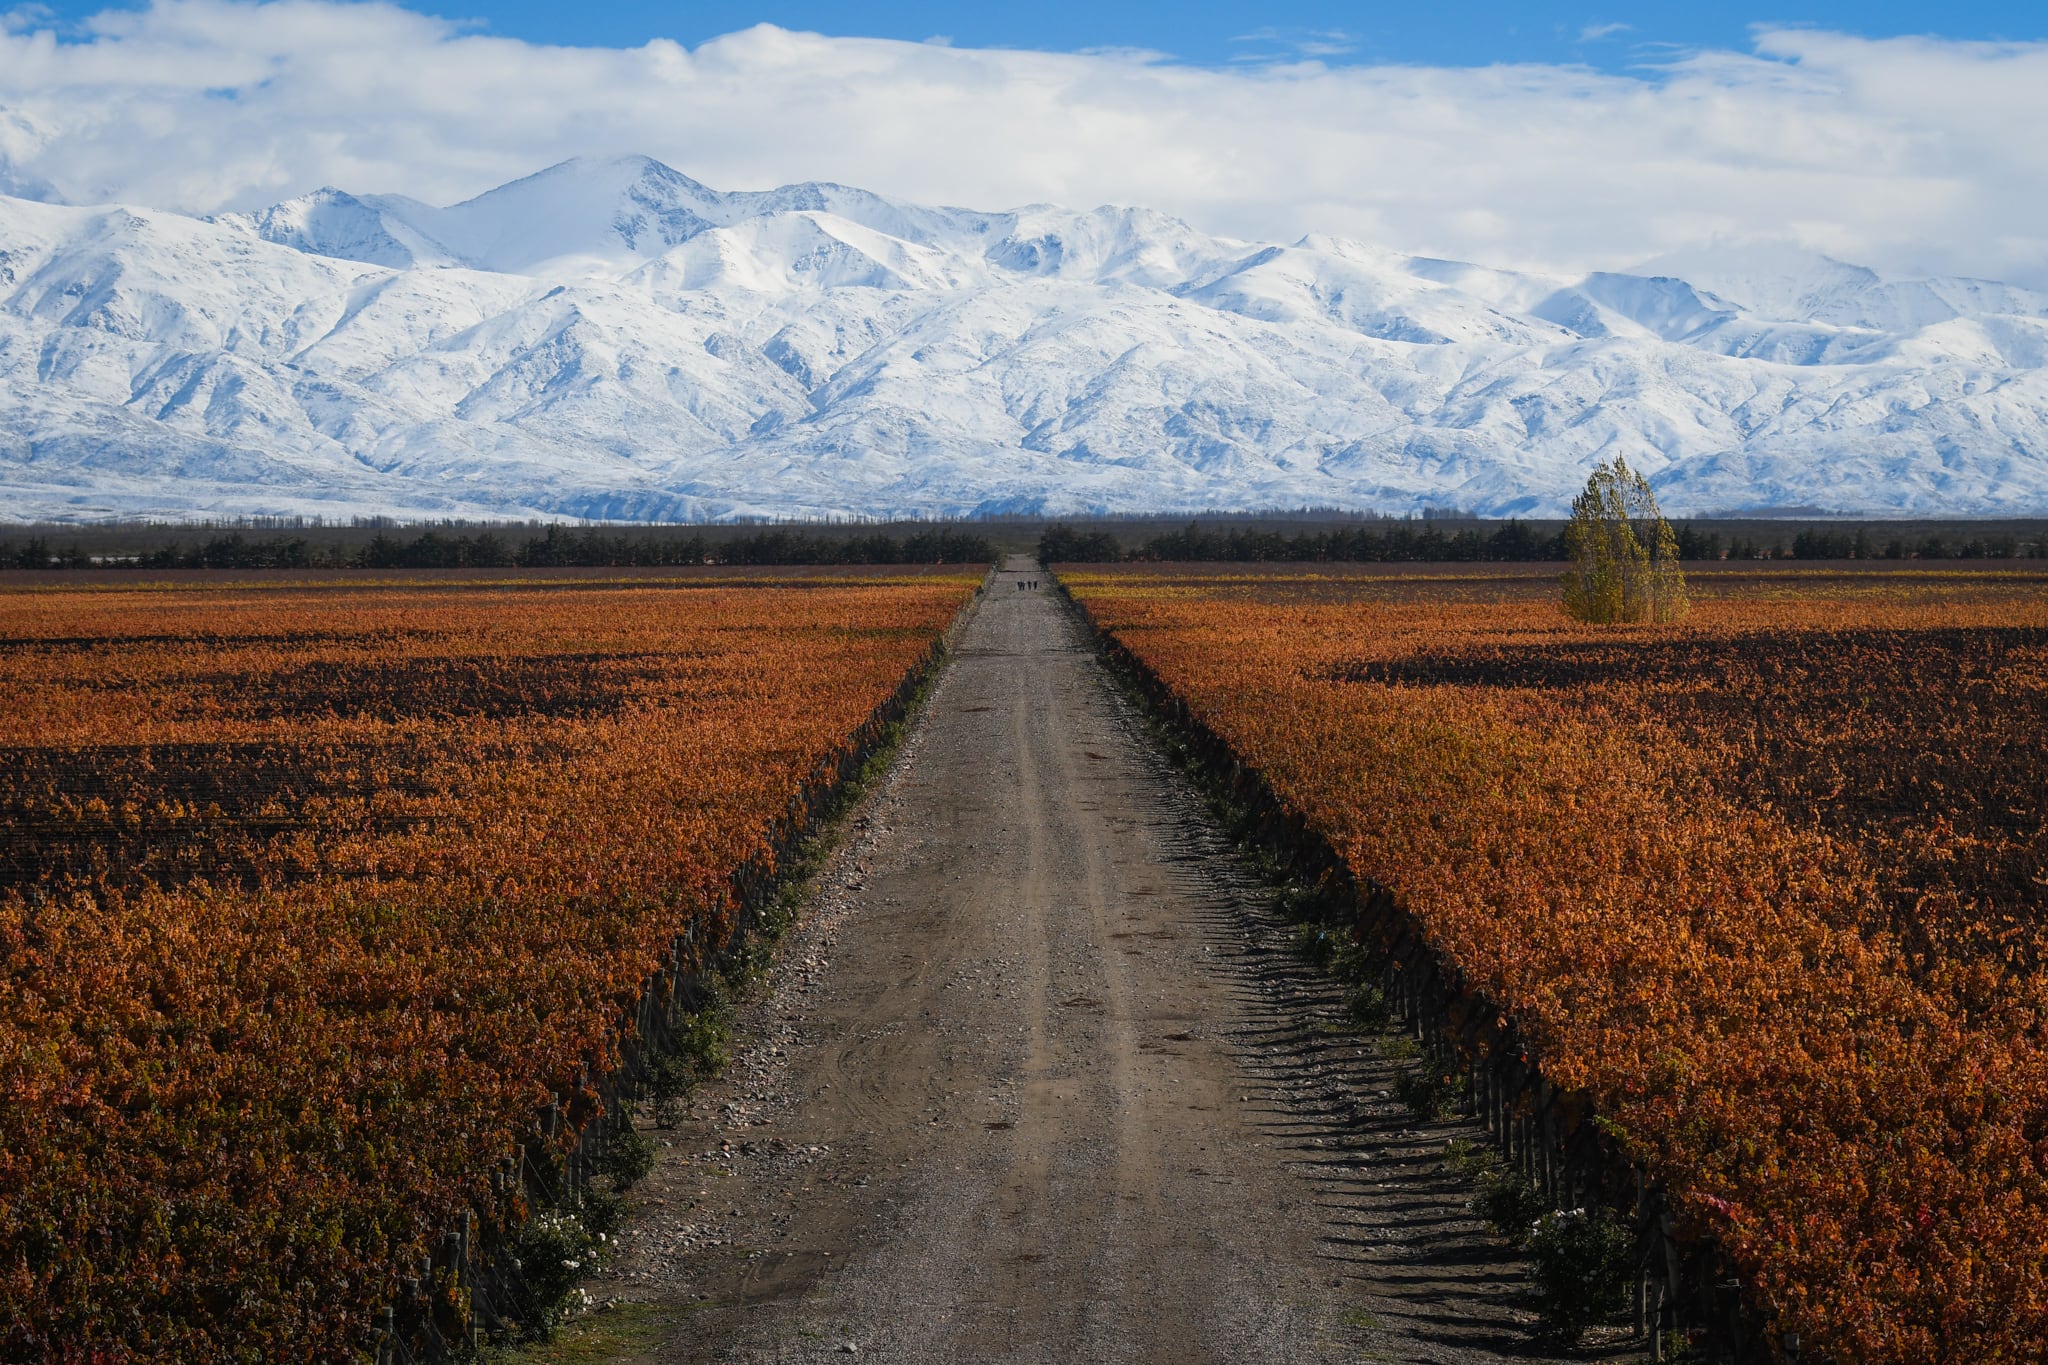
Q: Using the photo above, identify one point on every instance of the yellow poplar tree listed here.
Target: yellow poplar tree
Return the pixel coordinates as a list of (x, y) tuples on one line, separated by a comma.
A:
[(1614, 575)]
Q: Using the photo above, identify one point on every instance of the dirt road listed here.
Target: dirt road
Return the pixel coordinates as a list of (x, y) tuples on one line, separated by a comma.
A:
[(1037, 1080)]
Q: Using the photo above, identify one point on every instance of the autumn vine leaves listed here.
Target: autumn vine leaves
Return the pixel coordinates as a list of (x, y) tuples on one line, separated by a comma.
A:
[(1767, 886), (309, 895)]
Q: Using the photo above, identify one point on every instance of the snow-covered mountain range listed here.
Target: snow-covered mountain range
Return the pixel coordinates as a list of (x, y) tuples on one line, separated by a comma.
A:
[(611, 339)]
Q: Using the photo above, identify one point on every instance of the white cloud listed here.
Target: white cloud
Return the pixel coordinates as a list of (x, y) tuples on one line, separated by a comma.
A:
[(1907, 153), (1593, 33), (1301, 42)]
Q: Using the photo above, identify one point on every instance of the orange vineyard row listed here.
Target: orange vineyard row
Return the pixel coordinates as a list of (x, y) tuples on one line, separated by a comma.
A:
[(310, 895), (1768, 887)]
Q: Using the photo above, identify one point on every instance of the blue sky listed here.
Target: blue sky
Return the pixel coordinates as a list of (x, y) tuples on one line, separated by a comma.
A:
[(1469, 33)]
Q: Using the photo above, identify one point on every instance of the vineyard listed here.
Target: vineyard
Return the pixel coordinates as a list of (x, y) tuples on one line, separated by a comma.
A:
[(1767, 890), (314, 896)]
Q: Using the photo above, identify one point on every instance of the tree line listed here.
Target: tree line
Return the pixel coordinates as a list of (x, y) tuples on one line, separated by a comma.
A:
[(1843, 543), (1507, 542), (1399, 542), (557, 547)]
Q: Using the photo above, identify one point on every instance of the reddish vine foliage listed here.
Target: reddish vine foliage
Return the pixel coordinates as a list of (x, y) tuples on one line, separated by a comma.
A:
[(310, 894), (1769, 886)]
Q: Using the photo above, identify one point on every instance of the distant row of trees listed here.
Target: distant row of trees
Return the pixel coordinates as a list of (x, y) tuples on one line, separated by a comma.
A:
[(1398, 542), (557, 547), (939, 545), (1860, 544), (1507, 542), (595, 547)]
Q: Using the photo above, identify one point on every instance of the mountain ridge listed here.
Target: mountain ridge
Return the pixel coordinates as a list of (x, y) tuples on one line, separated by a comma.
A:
[(609, 338)]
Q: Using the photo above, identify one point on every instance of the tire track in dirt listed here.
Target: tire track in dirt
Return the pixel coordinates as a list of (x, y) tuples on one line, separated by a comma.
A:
[(1036, 1080)]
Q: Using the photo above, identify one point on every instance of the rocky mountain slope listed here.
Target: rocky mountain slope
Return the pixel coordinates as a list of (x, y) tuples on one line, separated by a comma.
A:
[(611, 339)]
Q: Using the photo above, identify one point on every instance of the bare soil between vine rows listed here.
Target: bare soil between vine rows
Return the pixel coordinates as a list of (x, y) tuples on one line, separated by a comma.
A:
[(1036, 1078)]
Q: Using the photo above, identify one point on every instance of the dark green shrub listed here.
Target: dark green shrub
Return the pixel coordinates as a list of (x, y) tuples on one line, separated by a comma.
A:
[(1468, 1159), (1315, 943), (1349, 960), (1428, 1092), (548, 1253), (625, 1154), (1367, 1007), (1683, 1348), (701, 1041), (670, 1079), (1582, 1262), (1510, 1203), (600, 1211)]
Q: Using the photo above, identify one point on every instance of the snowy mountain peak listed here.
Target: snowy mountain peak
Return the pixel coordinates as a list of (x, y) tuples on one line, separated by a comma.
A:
[(611, 338), (1660, 306), (1770, 279), (596, 184), (580, 215), (331, 222)]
